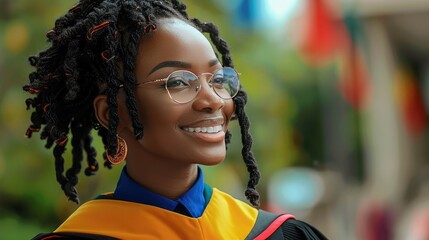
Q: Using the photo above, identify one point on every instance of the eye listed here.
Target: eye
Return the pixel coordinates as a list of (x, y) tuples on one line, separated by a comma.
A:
[(218, 81), (177, 82)]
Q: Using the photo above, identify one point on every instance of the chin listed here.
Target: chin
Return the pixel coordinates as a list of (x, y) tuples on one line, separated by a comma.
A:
[(210, 157), (208, 154), (212, 161)]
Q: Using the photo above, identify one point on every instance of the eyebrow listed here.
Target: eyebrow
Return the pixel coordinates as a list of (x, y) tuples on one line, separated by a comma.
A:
[(180, 64)]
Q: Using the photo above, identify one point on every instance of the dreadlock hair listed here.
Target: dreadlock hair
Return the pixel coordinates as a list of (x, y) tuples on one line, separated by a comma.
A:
[(88, 44)]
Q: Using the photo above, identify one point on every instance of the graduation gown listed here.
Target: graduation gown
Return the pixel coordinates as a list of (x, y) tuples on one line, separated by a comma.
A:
[(223, 218)]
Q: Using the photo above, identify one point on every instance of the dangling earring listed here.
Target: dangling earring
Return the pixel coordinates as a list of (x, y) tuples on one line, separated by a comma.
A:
[(121, 152)]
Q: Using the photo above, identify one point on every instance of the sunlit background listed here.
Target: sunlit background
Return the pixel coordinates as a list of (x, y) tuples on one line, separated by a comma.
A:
[(338, 100)]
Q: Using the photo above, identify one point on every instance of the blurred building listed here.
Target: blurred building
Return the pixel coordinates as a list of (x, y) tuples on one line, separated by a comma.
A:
[(383, 47), (396, 48)]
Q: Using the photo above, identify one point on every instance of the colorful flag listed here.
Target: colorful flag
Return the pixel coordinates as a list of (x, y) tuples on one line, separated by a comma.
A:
[(410, 101), (329, 37)]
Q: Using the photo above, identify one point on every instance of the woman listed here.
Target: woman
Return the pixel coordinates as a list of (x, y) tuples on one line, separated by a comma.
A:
[(143, 75)]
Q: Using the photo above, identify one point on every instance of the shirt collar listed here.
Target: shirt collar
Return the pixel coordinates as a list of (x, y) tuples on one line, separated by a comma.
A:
[(193, 200)]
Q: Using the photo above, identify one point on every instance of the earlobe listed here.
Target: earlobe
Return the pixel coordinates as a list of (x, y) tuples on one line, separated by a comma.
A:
[(101, 109)]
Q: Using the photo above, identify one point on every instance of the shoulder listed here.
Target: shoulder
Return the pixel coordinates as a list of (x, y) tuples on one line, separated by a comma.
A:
[(268, 225), (294, 229), (224, 201), (282, 226)]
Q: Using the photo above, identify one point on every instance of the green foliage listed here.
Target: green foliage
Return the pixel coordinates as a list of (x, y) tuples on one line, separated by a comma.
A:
[(13, 228)]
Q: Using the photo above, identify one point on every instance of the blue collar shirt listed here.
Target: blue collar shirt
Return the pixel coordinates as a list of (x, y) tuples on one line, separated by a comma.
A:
[(192, 203)]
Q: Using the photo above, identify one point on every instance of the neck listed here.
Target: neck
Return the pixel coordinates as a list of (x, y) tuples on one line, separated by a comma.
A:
[(163, 177)]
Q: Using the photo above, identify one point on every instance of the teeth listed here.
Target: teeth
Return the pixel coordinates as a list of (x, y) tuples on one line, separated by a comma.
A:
[(214, 129)]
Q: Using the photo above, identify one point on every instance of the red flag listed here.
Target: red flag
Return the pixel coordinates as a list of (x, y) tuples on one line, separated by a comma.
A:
[(327, 38), (354, 83), (411, 103), (324, 35)]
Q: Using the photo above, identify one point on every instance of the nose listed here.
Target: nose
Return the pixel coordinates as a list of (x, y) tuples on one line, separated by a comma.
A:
[(207, 100)]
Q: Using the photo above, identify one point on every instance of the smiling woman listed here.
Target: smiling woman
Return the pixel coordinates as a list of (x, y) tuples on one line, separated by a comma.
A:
[(144, 76)]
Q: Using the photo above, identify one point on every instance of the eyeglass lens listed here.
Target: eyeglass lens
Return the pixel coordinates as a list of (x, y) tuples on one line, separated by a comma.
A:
[(183, 86)]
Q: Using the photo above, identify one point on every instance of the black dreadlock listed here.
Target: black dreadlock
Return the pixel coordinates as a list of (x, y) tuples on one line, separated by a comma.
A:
[(88, 44)]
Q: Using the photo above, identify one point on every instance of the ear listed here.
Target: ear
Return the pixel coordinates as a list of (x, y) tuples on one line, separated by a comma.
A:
[(101, 109)]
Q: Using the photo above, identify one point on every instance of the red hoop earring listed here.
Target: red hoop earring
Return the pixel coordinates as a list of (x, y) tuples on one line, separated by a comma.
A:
[(121, 152)]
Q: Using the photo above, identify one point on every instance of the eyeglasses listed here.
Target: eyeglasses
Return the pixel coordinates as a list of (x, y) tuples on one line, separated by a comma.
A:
[(183, 86)]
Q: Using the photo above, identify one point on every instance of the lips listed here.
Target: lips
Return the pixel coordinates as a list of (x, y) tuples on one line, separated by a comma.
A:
[(207, 130)]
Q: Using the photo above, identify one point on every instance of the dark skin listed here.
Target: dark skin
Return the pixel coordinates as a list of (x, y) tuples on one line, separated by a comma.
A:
[(165, 160)]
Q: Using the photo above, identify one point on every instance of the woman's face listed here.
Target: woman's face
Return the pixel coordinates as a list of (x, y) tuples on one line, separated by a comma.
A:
[(168, 125)]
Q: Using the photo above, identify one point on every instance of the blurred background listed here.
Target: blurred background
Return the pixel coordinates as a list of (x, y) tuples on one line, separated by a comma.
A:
[(338, 101)]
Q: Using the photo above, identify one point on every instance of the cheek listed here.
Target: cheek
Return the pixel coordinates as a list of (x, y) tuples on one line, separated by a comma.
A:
[(151, 109), (158, 116)]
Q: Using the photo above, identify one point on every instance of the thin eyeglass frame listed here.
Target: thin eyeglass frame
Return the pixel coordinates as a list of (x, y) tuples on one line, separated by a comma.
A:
[(198, 87)]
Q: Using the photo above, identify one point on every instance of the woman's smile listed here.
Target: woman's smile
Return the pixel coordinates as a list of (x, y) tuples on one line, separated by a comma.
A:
[(207, 129)]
